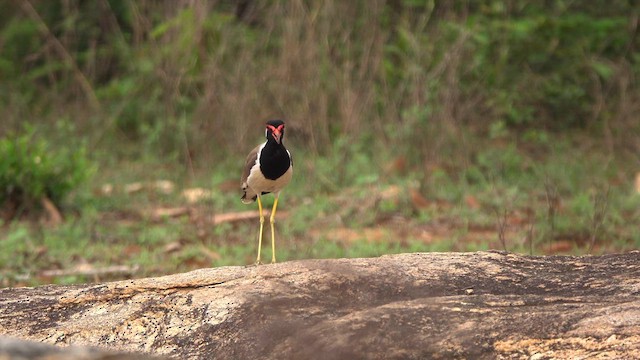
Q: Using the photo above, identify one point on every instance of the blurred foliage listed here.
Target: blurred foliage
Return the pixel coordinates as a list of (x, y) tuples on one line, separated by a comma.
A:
[(31, 170), (165, 71), (548, 65), (471, 116)]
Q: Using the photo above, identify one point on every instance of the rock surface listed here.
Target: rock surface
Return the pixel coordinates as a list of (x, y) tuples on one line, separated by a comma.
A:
[(433, 305), (15, 349)]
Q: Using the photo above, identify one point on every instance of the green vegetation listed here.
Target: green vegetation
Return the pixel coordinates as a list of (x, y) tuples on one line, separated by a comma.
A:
[(414, 126), (32, 169)]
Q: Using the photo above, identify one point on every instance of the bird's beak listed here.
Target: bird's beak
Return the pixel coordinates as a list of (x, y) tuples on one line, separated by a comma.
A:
[(277, 134)]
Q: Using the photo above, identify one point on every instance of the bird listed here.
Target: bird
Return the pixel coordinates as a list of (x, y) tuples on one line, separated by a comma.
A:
[(267, 169)]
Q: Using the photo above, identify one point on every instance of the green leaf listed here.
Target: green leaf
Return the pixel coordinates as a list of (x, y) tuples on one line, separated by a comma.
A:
[(603, 69)]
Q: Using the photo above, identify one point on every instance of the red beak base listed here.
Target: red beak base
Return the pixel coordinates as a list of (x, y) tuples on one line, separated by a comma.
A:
[(276, 132)]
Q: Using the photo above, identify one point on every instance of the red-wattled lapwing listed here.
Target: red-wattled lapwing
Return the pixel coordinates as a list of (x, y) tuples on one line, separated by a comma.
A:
[(268, 169)]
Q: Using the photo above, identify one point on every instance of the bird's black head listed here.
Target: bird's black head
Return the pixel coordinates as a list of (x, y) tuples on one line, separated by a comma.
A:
[(275, 130)]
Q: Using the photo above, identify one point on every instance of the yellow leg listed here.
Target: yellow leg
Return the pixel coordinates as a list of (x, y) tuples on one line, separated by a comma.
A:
[(272, 220), (261, 227)]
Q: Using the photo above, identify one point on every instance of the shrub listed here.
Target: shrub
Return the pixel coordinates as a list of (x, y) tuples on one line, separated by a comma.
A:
[(32, 169)]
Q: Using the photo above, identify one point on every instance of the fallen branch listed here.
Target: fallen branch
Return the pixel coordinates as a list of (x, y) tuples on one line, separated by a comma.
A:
[(243, 215), (55, 218), (162, 213)]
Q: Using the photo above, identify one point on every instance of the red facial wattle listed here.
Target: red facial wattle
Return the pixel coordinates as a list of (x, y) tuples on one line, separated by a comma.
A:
[(276, 132)]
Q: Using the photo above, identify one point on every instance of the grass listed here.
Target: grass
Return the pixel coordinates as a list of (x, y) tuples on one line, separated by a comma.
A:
[(425, 130), (501, 200)]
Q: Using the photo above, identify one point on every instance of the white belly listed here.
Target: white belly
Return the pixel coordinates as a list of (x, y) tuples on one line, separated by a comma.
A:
[(259, 184)]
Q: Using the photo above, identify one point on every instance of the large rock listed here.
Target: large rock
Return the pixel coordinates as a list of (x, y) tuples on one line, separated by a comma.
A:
[(434, 305), (15, 349)]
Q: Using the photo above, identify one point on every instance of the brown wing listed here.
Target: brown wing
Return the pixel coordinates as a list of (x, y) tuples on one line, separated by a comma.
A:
[(248, 164)]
